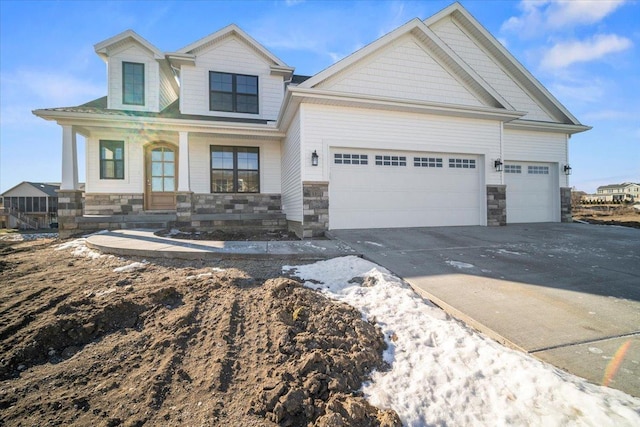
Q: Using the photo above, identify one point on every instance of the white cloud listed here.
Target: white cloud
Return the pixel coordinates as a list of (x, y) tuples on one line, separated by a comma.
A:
[(581, 91), (539, 17), (611, 115), (564, 54)]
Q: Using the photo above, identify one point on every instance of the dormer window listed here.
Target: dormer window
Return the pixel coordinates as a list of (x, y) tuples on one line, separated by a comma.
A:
[(132, 83), (235, 93)]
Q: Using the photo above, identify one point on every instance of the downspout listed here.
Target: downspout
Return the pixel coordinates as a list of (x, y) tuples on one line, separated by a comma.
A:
[(501, 153), (566, 158)]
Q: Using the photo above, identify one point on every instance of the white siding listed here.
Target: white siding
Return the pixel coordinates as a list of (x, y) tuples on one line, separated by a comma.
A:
[(327, 126), (167, 94), (473, 55), (200, 163), (403, 70), (133, 181), (291, 175), (134, 53), (531, 146), (230, 56)]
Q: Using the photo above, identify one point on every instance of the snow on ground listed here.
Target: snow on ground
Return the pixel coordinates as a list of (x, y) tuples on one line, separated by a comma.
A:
[(20, 237), (79, 248), (444, 373), (134, 266)]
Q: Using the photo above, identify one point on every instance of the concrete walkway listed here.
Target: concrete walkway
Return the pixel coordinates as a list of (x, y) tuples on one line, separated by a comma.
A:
[(144, 243), (567, 293)]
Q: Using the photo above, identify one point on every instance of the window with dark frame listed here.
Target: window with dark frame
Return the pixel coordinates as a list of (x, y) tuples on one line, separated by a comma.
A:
[(235, 93), (132, 83), (235, 169), (111, 159)]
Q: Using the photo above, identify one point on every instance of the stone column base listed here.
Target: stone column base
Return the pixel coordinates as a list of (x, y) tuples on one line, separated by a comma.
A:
[(496, 205), (69, 208), (184, 208), (315, 205), (565, 205)]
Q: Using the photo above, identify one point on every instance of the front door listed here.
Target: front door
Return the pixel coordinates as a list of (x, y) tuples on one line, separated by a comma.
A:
[(161, 171)]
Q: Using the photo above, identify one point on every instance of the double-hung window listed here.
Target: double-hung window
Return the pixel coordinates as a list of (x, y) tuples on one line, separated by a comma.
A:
[(111, 159), (132, 83), (236, 93), (235, 169)]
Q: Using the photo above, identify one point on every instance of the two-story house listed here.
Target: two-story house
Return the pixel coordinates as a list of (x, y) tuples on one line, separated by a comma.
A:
[(625, 192), (433, 124)]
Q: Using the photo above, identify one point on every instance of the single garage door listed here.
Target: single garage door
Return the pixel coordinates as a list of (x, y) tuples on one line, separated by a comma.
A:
[(381, 189), (531, 193)]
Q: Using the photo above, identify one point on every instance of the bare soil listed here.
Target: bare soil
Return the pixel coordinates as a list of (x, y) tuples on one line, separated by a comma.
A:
[(221, 235), (614, 215), (176, 343)]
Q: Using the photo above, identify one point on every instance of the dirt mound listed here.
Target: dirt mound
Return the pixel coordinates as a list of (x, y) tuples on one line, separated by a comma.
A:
[(176, 343)]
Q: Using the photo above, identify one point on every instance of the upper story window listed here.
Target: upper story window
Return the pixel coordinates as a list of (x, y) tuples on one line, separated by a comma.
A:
[(111, 159), (132, 83), (234, 93)]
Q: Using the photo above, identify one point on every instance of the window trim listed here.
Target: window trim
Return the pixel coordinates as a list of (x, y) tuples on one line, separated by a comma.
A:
[(235, 169), (124, 98), (234, 93), (102, 143)]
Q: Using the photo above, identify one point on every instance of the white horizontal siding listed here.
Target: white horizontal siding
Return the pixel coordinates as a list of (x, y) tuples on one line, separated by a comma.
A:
[(25, 190), (134, 53), (230, 56), (133, 181), (291, 176), (482, 64), (328, 126), (531, 146), (403, 70), (200, 163), (167, 94)]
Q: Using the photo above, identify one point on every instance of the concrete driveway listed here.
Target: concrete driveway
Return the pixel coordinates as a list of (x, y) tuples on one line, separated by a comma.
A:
[(567, 293)]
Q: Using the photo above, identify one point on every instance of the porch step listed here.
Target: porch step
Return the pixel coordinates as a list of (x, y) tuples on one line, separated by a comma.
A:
[(97, 222)]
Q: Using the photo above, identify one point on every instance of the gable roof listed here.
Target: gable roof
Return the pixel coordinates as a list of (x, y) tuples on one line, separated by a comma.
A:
[(506, 61), (124, 37), (48, 188), (230, 31), (443, 52), (616, 186)]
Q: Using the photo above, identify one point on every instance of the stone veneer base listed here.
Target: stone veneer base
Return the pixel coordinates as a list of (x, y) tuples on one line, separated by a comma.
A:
[(315, 205), (496, 205), (565, 205)]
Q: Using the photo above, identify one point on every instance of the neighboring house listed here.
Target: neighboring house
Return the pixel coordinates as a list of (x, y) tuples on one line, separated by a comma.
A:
[(616, 193), (433, 124), (29, 205)]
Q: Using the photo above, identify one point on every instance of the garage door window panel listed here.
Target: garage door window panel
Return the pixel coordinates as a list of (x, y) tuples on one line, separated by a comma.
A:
[(462, 163), (391, 160), (427, 162), (512, 169), (350, 159), (538, 170)]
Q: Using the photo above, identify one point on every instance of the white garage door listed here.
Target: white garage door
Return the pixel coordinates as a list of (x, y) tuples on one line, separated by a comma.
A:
[(380, 189), (531, 194)]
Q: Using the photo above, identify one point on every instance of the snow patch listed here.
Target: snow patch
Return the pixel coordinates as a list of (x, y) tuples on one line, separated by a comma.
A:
[(444, 373), (134, 266), (374, 244), (79, 249), (459, 264)]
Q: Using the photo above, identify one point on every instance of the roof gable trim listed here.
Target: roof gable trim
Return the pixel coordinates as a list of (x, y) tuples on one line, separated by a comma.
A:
[(102, 48)]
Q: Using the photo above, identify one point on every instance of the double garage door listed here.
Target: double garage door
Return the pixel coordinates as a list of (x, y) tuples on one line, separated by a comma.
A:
[(381, 189), (531, 193)]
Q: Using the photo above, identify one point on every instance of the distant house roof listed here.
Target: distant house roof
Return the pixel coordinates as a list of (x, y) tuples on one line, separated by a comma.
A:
[(49, 188), (99, 106), (297, 79), (614, 186)]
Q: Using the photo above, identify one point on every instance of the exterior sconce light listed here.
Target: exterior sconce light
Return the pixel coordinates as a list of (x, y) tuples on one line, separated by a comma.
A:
[(314, 158), (567, 169), (498, 165)]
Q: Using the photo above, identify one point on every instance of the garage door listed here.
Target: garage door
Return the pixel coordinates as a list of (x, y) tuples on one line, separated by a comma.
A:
[(380, 189), (531, 192)]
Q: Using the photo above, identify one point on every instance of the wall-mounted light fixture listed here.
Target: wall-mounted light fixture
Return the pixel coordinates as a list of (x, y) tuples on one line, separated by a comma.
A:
[(314, 158), (498, 165), (567, 169)]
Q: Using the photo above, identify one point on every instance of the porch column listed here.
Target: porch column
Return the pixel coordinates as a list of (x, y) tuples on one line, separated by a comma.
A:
[(183, 163), (69, 159)]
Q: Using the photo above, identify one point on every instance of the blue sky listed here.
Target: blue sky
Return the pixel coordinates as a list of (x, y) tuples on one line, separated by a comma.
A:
[(585, 52)]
